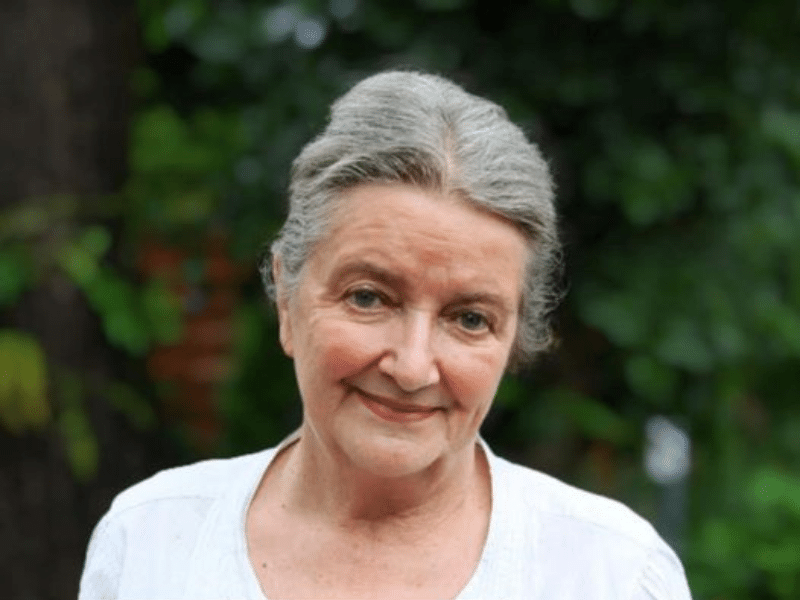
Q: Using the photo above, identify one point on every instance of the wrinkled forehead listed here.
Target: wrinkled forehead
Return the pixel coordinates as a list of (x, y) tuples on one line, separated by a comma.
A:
[(371, 195), (436, 236)]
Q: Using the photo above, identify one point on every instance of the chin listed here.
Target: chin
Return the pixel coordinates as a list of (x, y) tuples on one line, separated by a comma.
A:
[(390, 456)]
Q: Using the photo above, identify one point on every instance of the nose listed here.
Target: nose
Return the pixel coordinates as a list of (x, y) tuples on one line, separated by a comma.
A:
[(411, 360)]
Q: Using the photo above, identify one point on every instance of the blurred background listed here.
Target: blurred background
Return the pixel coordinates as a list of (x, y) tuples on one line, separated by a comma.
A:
[(144, 157)]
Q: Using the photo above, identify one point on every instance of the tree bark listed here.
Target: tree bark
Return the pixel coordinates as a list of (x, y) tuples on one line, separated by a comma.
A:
[(64, 112)]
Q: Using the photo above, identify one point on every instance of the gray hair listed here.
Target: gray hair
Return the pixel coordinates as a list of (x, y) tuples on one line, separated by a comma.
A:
[(425, 131)]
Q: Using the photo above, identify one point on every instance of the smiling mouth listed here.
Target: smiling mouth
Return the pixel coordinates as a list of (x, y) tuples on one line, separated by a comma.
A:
[(393, 411)]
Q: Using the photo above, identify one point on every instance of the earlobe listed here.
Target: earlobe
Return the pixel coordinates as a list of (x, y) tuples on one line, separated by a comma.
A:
[(282, 305)]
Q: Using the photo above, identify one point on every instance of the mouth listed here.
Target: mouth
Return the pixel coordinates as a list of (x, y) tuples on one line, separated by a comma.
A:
[(396, 412)]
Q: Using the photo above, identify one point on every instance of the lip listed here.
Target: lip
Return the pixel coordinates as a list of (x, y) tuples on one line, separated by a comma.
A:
[(390, 410)]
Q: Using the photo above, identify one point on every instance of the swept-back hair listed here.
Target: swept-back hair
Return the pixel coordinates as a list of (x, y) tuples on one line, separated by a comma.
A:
[(425, 131)]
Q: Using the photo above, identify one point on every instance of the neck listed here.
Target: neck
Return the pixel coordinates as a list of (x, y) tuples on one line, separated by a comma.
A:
[(316, 483)]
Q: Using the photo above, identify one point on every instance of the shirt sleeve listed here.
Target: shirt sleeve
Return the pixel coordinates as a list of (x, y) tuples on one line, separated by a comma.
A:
[(103, 567), (663, 578)]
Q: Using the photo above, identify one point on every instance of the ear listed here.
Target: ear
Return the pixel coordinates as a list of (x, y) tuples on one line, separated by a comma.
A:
[(282, 305)]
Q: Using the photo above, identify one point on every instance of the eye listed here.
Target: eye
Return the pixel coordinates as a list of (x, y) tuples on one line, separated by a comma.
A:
[(473, 321), (365, 298)]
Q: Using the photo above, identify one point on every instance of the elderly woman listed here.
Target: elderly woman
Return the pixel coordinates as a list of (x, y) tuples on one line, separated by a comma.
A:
[(414, 268)]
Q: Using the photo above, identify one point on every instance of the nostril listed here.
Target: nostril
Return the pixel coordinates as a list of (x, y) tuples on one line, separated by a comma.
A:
[(410, 358), (411, 371)]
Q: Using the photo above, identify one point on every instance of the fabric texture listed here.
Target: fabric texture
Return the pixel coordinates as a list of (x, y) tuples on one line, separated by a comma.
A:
[(181, 534)]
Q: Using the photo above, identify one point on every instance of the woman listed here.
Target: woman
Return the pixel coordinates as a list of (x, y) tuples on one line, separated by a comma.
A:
[(414, 268)]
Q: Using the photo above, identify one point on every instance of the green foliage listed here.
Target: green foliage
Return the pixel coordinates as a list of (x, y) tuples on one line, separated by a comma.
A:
[(761, 543), (591, 418), (177, 165), (15, 274), (24, 404), (80, 442), (133, 317), (770, 490), (132, 404), (163, 142)]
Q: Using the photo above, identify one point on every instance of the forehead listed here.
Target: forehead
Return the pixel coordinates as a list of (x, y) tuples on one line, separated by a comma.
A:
[(424, 233)]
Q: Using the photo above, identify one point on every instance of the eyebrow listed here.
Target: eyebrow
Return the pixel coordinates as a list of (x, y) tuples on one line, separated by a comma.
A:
[(365, 267), (387, 277), (481, 298)]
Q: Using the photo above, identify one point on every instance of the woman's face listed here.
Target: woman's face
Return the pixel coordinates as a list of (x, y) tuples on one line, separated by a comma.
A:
[(401, 327)]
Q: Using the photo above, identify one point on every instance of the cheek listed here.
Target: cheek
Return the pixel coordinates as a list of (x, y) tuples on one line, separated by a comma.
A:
[(474, 377), (344, 349)]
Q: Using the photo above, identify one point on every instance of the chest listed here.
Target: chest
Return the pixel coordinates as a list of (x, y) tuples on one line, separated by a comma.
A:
[(292, 560)]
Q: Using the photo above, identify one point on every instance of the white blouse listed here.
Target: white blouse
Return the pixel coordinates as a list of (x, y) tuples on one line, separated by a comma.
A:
[(181, 534)]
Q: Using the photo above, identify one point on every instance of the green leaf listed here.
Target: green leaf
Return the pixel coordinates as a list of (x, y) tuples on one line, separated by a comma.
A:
[(619, 315), (179, 163), (591, 417), (783, 128), (110, 293), (132, 404), (79, 263), (96, 240), (651, 184), (770, 488), (116, 301), (15, 275), (188, 206), (681, 345), (163, 312), (788, 434), (182, 16), (155, 34), (161, 142), (778, 557), (780, 320), (83, 453), (24, 405), (219, 45), (720, 542), (223, 130), (124, 330), (651, 379)]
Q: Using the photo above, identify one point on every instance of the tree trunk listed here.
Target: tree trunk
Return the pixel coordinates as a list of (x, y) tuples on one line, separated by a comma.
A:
[(64, 111)]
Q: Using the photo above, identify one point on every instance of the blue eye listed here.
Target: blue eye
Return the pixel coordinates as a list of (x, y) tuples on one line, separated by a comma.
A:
[(473, 321), (365, 298)]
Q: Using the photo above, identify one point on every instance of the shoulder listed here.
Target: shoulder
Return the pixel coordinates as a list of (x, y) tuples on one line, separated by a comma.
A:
[(204, 480), (583, 544), (551, 499), (142, 547)]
